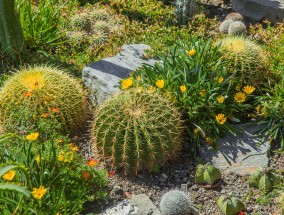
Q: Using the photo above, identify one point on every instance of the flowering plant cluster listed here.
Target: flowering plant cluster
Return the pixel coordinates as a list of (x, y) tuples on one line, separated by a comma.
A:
[(193, 75)]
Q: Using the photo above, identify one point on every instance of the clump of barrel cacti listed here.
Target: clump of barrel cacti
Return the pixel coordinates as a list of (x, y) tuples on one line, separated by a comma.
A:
[(237, 28), (246, 59), (207, 174), (138, 130), (92, 26), (175, 203), (230, 205), (186, 9), (39, 92), (264, 180), (234, 17), (224, 27)]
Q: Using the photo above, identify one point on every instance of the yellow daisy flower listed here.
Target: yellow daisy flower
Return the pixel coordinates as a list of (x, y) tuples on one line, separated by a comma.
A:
[(191, 52), (220, 118), (38, 193), (160, 83), (9, 176), (126, 83), (32, 136), (248, 89), (182, 88), (240, 97), (220, 99)]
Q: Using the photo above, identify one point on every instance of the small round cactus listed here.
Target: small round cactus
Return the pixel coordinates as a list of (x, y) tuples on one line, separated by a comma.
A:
[(137, 130), (207, 174), (82, 22), (237, 28), (36, 93), (175, 203), (224, 27), (234, 17), (230, 205)]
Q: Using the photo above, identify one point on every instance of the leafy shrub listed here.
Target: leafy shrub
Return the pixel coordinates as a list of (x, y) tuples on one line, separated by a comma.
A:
[(36, 95), (193, 74)]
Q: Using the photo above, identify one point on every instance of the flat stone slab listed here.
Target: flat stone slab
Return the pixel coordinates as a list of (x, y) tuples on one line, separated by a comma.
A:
[(241, 154), (258, 10), (103, 76), (145, 205), (122, 208)]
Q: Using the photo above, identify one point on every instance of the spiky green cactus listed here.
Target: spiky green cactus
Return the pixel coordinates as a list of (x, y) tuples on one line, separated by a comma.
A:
[(246, 60), (35, 93), (11, 34), (224, 26), (237, 28), (138, 130), (234, 17), (175, 203), (82, 22), (207, 174), (186, 9), (230, 205)]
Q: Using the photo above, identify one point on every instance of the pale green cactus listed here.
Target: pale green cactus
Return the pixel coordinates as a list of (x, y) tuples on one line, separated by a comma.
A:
[(224, 27), (230, 205), (207, 174)]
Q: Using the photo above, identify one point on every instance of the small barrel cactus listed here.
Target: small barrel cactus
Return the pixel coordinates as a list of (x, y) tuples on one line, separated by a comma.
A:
[(237, 28), (175, 203), (230, 205), (224, 27), (138, 130), (207, 174), (35, 93), (264, 180), (81, 22), (186, 9), (234, 17)]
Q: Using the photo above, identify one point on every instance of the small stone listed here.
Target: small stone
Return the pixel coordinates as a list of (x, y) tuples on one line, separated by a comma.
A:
[(194, 187)]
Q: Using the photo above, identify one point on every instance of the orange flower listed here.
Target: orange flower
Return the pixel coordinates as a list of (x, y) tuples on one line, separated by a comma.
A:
[(111, 173), (73, 147), (44, 115), (28, 94), (54, 110), (92, 162), (86, 175)]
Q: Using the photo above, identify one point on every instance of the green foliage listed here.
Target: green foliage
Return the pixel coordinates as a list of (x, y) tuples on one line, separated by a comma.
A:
[(207, 174), (11, 34), (230, 205), (138, 129), (34, 96), (237, 28), (194, 75), (67, 179), (186, 9), (246, 60), (175, 203)]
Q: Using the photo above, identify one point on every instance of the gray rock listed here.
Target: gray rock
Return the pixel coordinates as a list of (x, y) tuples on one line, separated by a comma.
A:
[(145, 205), (103, 76), (241, 154), (257, 10), (123, 208)]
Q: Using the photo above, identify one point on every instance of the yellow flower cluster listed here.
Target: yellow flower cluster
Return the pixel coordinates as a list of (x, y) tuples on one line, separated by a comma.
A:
[(65, 157), (38, 193), (126, 83)]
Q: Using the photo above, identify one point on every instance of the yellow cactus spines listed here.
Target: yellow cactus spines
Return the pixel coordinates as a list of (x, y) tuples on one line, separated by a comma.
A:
[(41, 91), (246, 59), (138, 130)]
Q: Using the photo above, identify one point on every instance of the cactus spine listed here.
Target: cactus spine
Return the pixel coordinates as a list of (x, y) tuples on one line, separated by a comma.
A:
[(137, 130), (186, 9), (11, 34)]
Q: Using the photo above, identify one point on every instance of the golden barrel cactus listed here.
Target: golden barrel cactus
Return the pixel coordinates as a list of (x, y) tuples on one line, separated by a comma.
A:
[(40, 92)]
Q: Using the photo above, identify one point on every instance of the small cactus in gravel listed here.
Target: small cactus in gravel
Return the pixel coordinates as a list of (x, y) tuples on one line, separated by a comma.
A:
[(81, 22), (237, 28), (234, 17), (207, 174), (137, 130), (224, 27), (230, 205), (186, 9), (175, 203)]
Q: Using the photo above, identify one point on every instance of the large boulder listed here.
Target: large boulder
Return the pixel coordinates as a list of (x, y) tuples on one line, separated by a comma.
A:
[(258, 10), (103, 76)]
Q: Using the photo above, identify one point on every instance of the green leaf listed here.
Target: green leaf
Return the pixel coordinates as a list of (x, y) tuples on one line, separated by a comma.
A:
[(6, 168), (17, 188)]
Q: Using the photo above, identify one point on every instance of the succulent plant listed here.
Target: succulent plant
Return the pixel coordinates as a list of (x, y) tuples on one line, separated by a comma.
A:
[(175, 203), (234, 17), (224, 27), (186, 9), (264, 180), (237, 28), (41, 90), (137, 130), (207, 174), (230, 205), (246, 60), (81, 22)]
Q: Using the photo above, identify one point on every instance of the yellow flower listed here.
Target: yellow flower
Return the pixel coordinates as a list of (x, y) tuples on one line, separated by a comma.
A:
[(37, 159), (208, 140), (220, 80), (248, 89), (220, 99), (73, 147), (182, 88), (221, 119), (9, 176), (126, 83), (139, 78), (191, 52), (195, 131), (38, 193), (240, 97), (202, 92), (60, 157), (32, 136), (160, 83), (33, 81)]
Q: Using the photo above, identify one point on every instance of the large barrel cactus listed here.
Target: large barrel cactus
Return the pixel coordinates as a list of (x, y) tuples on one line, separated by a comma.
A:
[(11, 34), (39, 92), (137, 130)]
